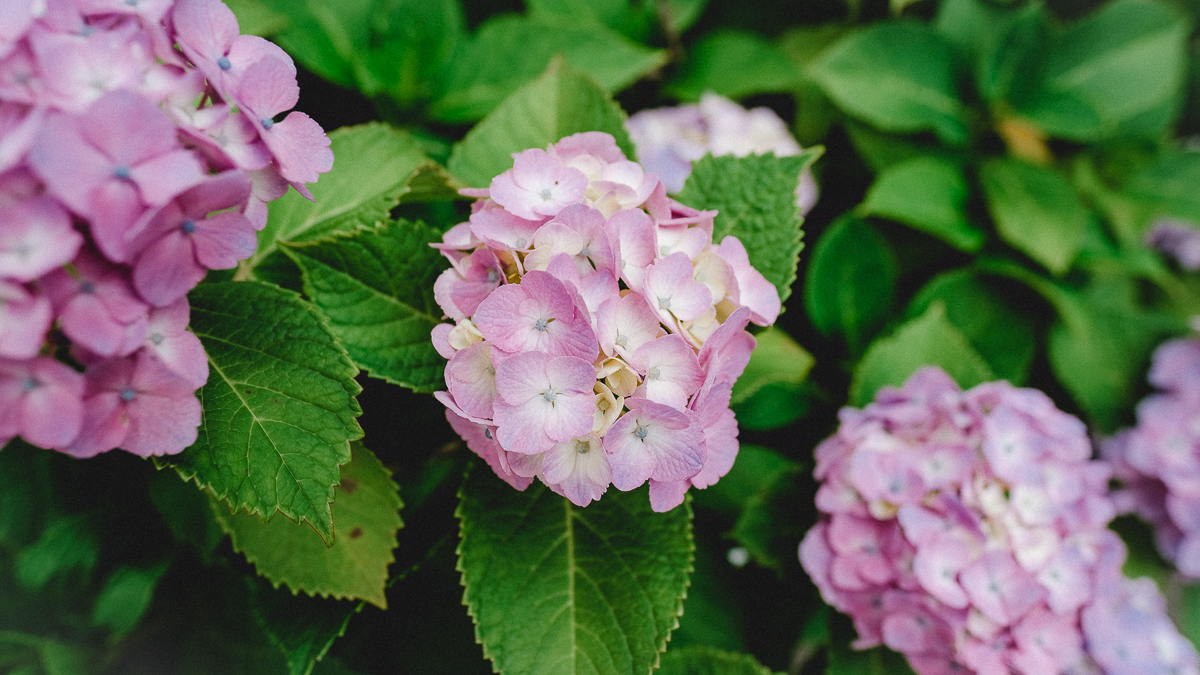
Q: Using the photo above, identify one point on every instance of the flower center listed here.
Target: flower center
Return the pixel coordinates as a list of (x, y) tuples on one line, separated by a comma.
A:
[(30, 384), (223, 63), (640, 432), (550, 395), (520, 242), (87, 287), (156, 338), (622, 341), (653, 373), (128, 395), (664, 304), (493, 276), (546, 195), (542, 324), (267, 122), (122, 172), (582, 447), (487, 434), (188, 227), (131, 3)]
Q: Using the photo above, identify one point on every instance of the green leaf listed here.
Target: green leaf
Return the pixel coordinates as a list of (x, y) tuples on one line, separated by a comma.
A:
[(376, 287), (1013, 46), (559, 103), (1119, 71), (256, 18), (279, 405), (68, 543), (366, 513), (775, 405), (554, 588), (186, 512), (44, 656), (881, 151), (928, 340), (734, 64), (1036, 210), (126, 597), (928, 193), (1168, 185), (1003, 336), (776, 359), (815, 113), (303, 628), (711, 614), (374, 164), (756, 202), (509, 51), (898, 77), (842, 660), (25, 482), (850, 282), (701, 660)]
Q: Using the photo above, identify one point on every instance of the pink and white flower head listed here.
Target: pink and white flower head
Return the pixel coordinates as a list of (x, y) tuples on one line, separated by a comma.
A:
[(1158, 461), (1178, 239), (668, 140), (967, 530), (597, 330), (138, 149)]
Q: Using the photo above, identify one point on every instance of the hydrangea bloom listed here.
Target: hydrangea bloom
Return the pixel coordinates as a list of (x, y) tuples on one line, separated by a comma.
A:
[(668, 140), (598, 328), (125, 175), (968, 531), (1159, 460), (1178, 239)]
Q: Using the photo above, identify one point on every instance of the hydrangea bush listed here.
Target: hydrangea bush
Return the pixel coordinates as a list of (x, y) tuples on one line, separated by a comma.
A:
[(139, 150)]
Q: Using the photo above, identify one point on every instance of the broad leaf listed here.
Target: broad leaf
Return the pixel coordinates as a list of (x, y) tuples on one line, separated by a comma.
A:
[(1012, 48), (69, 543), (303, 628), (929, 194), (366, 513), (279, 405), (815, 113), (43, 656), (373, 166), (376, 287), (850, 281), (126, 597), (186, 512), (734, 64), (701, 660), (1119, 71), (256, 18), (559, 103), (1003, 336), (776, 359), (558, 589), (1036, 210), (842, 660), (898, 77), (509, 51), (1168, 185), (928, 340), (631, 18), (756, 202), (881, 150), (776, 405), (711, 614)]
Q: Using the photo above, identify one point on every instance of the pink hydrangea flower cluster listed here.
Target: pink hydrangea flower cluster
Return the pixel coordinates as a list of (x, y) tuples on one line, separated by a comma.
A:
[(1178, 239), (138, 149), (599, 330), (1158, 461), (968, 531), (668, 140)]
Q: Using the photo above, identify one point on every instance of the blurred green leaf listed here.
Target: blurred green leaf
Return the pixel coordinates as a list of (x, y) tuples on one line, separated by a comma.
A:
[(775, 405), (25, 654), (185, 510), (24, 490), (1000, 334), (303, 628), (68, 543), (633, 20), (776, 359), (711, 615), (256, 18), (850, 282), (881, 151), (928, 340), (559, 103), (733, 64), (898, 77), (366, 513), (1014, 46), (510, 51), (814, 111), (1036, 210), (703, 660), (607, 581), (126, 596), (929, 194), (1118, 71), (755, 200), (1168, 185), (842, 660)]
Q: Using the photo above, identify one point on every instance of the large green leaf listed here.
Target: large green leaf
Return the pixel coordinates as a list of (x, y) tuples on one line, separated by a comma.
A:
[(376, 287), (256, 18), (898, 77), (1003, 336), (815, 113), (279, 405), (701, 660), (929, 194), (1036, 210), (69, 543), (776, 359), (1119, 71), (630, 17), (26, 654), (756, 202), (561, 590), (366, 513), (1168, 185), (928, 340), (373, 166), (509, 51), (734, 63), (559, 103), (303, 628), (850, 281), (126, 597)]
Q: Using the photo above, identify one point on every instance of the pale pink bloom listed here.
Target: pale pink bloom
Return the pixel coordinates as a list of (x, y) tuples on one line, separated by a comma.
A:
[(1000, 588), (36, 237), (666, 495), (459, 293), (1178, 239), (113, 162), (266, 185), (20, 79), (625, 324), (136, 404), (502, 230), (539, 314), (578, 231), (653, 440), (542, 400), (481, 440), (670, 370), (300, 146), (24, 319), (577, 469), (1128, 632), (471, 378), (169, 341), (227, 139), (587, 145), (537, 186), (634, 244), (41, 400), (19, 127), (753, 290), (208, 33), (78, 70), (183, 241), (672, 292), (98, 309), (16, 16)]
